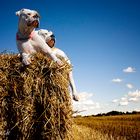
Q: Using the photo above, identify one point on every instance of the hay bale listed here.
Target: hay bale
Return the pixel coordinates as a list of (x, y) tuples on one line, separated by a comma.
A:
[(35, 103)]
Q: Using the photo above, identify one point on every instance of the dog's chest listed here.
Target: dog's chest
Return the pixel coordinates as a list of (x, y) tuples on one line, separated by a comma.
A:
[(33, 46), (29, 46)]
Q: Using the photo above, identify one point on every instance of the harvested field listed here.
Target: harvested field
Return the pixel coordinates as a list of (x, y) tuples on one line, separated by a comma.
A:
[(120, 127)]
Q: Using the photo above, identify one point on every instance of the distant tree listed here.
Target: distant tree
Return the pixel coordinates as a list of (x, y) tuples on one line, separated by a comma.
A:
[(114, 113), (127, 113), (111, 113), (135, 112)]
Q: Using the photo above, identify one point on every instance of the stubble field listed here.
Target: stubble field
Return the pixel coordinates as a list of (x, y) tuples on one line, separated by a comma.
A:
[(123, 127)]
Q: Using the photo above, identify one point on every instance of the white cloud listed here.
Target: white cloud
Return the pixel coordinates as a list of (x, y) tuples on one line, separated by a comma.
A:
[(129, 70), (134, 94), (117, 80), (130, 97), (130, 86), (123, 103), (115, 100), (124, 99), (84, 96), (86, 104), (133, 99)]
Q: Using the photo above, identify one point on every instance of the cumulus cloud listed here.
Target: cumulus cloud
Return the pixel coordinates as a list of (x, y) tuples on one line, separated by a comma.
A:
[(115, 100), (130, 86), (129, 70), (132, 96), (133, 99), (123, 101), (117, 80), (84, 96), (86, 103)]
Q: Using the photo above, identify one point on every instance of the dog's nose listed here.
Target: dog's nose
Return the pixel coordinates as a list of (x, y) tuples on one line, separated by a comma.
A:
[(52, 36), (35, 16)]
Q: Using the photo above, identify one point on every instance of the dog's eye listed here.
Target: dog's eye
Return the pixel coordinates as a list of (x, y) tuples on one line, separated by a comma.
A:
[(28, 14)]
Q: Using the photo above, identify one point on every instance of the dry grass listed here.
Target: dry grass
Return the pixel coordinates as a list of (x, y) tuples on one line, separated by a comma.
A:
[(124, 127), (81, 132), (34, 101)]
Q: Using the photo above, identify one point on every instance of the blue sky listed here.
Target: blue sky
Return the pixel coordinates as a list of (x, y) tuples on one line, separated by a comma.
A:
[(102, 39)]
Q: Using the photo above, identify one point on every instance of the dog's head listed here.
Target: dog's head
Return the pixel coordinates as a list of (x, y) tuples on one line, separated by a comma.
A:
[(28, 18), (48, 36)]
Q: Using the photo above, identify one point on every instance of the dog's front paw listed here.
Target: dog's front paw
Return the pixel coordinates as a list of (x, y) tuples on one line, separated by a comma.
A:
[(26, 59)]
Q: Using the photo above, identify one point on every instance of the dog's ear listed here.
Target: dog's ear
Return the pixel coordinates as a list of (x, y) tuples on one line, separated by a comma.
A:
[(18, 13), (42, 31), (39, 31)]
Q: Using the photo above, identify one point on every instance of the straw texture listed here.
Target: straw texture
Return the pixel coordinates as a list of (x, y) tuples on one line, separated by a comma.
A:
[(35, 103)]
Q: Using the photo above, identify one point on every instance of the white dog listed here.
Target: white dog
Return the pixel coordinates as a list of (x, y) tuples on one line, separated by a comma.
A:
[(28, 40), (49, 38)]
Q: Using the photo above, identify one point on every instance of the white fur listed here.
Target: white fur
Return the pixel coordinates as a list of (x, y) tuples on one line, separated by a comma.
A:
[(45, 34), (29, 45)]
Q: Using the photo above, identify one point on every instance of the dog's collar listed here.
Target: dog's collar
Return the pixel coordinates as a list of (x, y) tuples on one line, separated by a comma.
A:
[(24, 38)]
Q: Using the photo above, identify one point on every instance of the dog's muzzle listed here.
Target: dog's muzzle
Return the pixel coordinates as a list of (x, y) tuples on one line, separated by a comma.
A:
[(34, 23)]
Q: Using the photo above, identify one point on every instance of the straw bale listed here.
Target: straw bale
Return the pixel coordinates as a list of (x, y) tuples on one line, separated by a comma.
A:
[(35, 103)]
